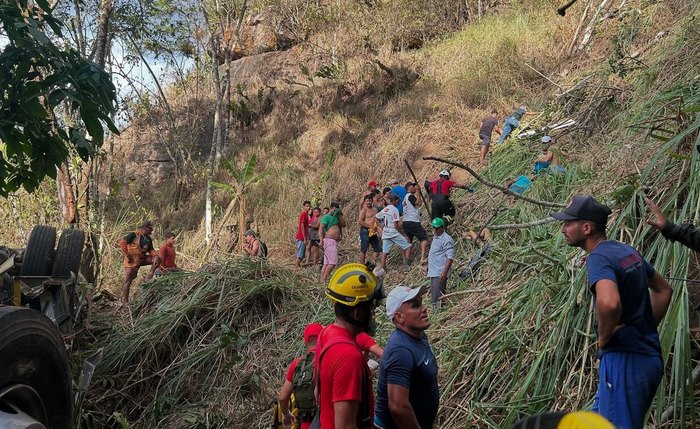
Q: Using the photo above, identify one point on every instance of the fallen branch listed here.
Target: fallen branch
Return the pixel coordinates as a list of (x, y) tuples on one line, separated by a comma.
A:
[(495, 186), (522, 225), (545, 256)]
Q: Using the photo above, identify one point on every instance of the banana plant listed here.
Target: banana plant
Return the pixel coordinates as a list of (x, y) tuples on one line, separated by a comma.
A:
[(243, 179)]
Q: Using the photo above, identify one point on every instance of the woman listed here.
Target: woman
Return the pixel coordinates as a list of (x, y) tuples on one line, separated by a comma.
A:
[(313, 235)]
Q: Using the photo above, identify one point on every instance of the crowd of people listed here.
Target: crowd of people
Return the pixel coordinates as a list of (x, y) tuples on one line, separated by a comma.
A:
[(387, 218), (630, 299)]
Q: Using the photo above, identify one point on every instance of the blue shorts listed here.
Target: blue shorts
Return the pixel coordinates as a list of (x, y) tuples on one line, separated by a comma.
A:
[(399, 240), (626, 387), (301, 249), (366, 241)]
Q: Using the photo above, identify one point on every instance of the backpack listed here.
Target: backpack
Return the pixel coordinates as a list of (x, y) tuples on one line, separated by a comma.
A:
[(303, 387)]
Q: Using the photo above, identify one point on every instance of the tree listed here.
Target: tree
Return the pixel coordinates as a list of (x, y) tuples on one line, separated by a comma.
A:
[(242, 180), (36, 77)]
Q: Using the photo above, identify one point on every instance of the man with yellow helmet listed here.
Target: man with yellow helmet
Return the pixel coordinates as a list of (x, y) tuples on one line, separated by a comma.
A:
[(344, 380)]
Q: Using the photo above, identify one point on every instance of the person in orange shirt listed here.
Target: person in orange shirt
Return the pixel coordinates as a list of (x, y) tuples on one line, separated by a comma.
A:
[(167, 255), (137, 248)]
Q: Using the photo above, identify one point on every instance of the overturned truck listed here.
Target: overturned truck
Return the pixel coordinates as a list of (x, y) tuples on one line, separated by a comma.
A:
[(39, 306)]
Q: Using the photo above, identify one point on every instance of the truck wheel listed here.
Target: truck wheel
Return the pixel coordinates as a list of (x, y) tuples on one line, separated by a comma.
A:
[(68, 253), (39, 252), (35, 368)]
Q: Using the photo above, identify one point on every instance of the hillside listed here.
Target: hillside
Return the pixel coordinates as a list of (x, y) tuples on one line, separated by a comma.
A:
[(209, 348)]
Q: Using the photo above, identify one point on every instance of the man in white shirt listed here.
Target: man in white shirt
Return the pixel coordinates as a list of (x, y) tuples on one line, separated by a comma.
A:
[(392, 233), (442, 252)]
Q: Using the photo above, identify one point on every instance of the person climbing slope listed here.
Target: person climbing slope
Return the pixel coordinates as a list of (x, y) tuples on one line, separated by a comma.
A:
[(439, 193), (512, 122), (488, 125)]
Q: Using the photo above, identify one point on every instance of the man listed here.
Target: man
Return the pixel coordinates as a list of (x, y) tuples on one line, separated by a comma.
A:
[(137, 248), (344, 380), (303, 233), (252, 246), (630, 299), (407, 393), (392, 233), (371, 187), (686, 234), (411, 220), (300, 381), (512, 122), (549, 159), (488, 125), (399, 191), (330, 233), (167, 255), (439, 192), (442, 253), (370, 231)]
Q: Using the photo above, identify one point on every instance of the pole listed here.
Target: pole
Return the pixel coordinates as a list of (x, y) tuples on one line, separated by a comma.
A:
[(420, 193)]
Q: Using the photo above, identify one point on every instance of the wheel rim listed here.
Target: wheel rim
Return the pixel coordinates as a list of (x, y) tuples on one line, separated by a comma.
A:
[(22, 407)]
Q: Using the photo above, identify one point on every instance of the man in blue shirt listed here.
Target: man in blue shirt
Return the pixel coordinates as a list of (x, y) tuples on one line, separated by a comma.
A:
[(400, 191), (407, 393), (630, 300)]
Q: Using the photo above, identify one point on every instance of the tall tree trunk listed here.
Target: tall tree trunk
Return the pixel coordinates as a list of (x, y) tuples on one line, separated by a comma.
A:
[(66, 198), (103, 32)]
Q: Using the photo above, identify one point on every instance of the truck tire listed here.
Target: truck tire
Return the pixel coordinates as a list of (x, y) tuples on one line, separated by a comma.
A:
[(68, 253), (32, 354), (39, 252)]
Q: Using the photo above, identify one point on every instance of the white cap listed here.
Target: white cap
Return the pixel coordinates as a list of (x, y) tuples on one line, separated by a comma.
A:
[(393, 182), (398, 296), (546, 139), (445, 173)]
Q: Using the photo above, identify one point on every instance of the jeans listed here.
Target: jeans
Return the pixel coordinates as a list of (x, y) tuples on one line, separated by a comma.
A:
[(508, 126)]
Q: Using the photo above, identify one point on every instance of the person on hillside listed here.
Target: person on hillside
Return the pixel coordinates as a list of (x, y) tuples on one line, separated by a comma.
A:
[(440, 258), (408, 395), (377, 200), (251, 245), (386, 193), (371, 187), (138, 251), (303, 233), (167, 256), (686, 233), (344, 381), (411, 220), (392, 232), (300, 381), (512, 122), (400, 191), (488, 125), (630, 300), (439, 193), (314, 224), (549, 160), (330, 233), (370, 231)]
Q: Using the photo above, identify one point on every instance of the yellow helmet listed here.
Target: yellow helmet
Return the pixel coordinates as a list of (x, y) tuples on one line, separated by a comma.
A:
[(584, 420), (352, 284)]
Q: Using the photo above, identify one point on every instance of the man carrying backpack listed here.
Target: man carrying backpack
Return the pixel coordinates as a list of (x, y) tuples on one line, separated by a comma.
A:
[(439, 192), (137, 248), (300, 381)]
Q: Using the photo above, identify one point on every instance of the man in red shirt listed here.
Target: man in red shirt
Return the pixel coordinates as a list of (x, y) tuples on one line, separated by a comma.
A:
[(310, 336), (344, 382), (303, 232), (167, 255), (439, 192)]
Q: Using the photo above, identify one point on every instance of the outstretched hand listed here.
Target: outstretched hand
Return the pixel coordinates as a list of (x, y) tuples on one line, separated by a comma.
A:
[(659, 221)]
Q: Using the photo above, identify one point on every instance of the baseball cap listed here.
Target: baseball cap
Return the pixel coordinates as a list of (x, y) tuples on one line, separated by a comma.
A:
[(584, 207), (445, 173), (312, 330), (438, 222), (409, 184), (546, 139), (372, 184), (398, 296), (393, 182)]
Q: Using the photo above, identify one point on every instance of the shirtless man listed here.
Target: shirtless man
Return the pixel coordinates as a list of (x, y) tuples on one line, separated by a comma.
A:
[(549, 159), (370, 231), (329, 234)]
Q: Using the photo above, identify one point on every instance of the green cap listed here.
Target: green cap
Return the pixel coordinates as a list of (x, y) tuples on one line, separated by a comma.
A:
[(438, 222)]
